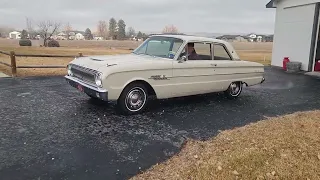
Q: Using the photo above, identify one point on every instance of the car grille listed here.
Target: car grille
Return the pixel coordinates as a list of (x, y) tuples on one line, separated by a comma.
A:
[(84, 74)]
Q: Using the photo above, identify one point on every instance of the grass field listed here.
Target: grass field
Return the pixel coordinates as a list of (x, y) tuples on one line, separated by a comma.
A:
[(277, 148), (258, 52)]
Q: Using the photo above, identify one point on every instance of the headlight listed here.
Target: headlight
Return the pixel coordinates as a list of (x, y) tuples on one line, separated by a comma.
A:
[(98, 79), (69, 70)]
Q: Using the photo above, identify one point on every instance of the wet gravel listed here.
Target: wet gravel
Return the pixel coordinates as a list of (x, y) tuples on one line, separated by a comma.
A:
[(51, 131)]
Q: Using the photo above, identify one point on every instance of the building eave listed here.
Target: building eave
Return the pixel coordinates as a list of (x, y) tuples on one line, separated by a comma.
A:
[(271, 4)]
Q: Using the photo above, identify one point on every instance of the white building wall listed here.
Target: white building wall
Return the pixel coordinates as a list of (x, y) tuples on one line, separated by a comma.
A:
[(293, 33)]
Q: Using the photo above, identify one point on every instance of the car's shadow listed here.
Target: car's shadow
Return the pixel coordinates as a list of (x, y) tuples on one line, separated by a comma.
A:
[(157, 106), (193, 112)]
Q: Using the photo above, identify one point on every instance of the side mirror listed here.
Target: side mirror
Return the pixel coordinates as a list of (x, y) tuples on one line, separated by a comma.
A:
[(183, 58)]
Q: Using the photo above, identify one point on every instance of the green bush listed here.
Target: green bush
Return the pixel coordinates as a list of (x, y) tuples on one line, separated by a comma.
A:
[(25, 42), (53, 43)]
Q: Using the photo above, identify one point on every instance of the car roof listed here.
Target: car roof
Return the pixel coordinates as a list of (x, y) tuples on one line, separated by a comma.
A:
[(191, 38)]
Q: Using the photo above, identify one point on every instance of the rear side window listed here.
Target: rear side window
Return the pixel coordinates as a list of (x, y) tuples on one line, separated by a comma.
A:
[(203, 50), (220, 53)]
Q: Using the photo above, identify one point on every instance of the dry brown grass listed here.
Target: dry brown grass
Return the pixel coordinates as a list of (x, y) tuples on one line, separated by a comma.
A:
[(48, 61), (263, 57), (285, 147), (77, 44), (258, 52)]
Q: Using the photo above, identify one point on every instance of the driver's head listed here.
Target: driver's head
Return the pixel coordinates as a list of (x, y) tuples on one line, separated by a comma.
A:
[(190, 47)]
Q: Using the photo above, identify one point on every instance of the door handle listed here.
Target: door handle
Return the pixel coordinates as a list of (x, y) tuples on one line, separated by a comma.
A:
[(213, 64)]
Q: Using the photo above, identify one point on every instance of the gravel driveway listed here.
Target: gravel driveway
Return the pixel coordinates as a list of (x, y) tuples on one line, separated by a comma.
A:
[(51, 131)]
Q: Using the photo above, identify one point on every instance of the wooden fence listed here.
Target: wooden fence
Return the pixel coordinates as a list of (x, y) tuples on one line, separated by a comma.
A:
[(13, 65)]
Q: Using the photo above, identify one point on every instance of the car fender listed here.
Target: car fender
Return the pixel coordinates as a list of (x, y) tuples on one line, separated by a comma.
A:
[(115, 92)]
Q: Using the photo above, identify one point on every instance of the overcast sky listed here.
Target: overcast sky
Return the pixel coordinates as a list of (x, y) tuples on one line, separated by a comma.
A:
[(214, 16)]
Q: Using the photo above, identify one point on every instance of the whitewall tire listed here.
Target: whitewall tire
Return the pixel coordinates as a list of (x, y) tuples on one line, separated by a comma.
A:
[(234, 90), (133, 99)]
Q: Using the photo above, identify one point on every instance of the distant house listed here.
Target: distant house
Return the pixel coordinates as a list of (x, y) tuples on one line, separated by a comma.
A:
[(70, 35), (247, 38), (233, 38), (260, 38), (252, 37), (97, 38), (135, 38), (269, 38), (79, 36), (15, 35), (61, 36), (38, 37)]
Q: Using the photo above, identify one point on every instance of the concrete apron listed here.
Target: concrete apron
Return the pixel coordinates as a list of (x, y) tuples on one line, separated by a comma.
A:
[(2, 75), (316, 74)]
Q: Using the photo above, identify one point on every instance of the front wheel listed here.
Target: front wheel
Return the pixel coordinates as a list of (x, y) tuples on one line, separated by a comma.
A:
[(133, 99), (234, 90)]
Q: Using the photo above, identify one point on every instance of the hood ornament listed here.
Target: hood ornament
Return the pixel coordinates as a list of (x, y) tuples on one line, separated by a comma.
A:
[(108, 65)]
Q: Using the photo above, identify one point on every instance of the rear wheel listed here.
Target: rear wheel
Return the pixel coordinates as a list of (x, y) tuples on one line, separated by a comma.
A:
[(133, 99), (234, 90)]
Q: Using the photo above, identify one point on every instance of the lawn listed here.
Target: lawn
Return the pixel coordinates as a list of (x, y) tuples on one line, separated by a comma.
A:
[(285, 147), (258, 52)]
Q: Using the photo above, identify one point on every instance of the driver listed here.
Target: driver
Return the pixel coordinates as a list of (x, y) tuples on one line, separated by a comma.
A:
[(192, 54)]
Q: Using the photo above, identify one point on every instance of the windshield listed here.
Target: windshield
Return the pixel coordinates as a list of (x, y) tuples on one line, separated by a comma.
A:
[(165, 47)]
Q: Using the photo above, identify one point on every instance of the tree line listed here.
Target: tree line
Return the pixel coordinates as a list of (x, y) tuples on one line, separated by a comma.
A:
[(112, 30), (116, 30)]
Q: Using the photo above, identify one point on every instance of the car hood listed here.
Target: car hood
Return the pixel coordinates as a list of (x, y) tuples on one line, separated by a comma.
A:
[(97, 62)]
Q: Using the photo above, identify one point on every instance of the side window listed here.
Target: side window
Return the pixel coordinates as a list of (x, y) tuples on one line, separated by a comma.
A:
[(142, 50), (220, 53), (203, 50)]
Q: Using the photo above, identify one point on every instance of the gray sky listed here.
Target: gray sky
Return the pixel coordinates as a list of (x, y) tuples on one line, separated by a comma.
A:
[(214, 16)]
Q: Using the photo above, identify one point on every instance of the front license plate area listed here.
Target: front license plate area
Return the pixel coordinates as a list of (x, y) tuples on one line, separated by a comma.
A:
[(80, 87)]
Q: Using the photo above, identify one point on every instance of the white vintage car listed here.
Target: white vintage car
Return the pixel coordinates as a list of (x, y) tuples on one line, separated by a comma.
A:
[(164, 66)]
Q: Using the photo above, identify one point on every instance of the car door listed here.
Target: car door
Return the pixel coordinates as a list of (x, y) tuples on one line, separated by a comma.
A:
[(227, 69), (195, 76)]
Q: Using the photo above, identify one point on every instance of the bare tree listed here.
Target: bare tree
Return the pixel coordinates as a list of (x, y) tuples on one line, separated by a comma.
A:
[(68, 29), (30, 28), (47, 29), (131, 32), (102, 29), (170, 29)]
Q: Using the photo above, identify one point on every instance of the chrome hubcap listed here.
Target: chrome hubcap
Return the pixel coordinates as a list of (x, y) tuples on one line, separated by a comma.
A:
[(235, 89), (135, 99)]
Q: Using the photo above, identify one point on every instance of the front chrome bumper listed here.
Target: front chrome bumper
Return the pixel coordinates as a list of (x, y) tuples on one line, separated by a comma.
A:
[(87, 88)]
